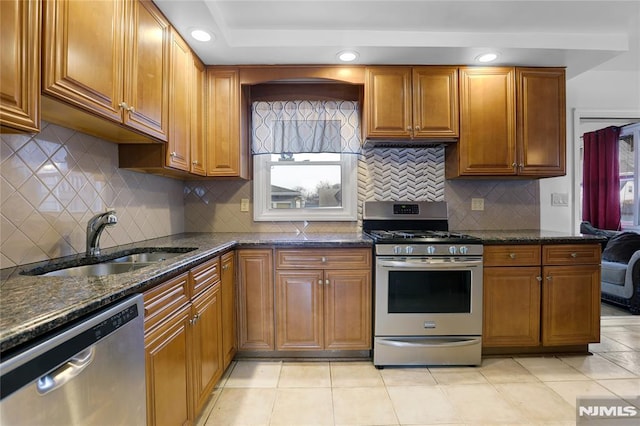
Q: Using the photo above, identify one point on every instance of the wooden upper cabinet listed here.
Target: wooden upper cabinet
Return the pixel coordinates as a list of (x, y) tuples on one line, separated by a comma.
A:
[(198, 128), (180, 75), (411, 102), (435, 102), (84, 54), (20, 61), (225, 156), (109, 58), (388, 106), (512, 123), (146, 87), (540, 121), (487, 144)]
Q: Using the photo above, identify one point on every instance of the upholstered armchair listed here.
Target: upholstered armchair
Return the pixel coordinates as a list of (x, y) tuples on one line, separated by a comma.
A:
[(620, 271)]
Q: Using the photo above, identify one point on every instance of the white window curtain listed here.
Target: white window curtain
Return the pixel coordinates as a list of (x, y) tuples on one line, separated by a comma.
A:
[(305, 126)]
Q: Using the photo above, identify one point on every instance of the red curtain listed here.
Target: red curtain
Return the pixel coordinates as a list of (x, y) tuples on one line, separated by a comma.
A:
[(601, 179)]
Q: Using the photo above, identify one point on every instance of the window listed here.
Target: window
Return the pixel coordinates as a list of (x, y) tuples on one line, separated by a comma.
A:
[(305, 186), (305, 160), (628, 163)]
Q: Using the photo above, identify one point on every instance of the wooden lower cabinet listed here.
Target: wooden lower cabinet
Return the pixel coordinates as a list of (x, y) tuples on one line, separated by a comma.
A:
[(183, 344), (167, 354), (255, 300), (227, 286), (323, 309), (541, 296)]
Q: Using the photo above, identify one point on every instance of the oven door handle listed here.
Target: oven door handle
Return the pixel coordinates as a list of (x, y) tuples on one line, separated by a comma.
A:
[(434, 342), (430, 265)]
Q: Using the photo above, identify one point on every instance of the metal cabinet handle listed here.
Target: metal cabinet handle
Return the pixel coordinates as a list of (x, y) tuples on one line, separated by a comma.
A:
[(323, 260), (513, 165), (66, 372), (574, 255), (408, 128), (173, 154), (539, 278), (548, 277), (512, 255), (131, 109), (320, 282), (417, 127), (326, 282), (195, 163), (123, 105)]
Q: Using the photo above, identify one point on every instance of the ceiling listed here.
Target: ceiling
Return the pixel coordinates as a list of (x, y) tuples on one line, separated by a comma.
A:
[(578, 34)]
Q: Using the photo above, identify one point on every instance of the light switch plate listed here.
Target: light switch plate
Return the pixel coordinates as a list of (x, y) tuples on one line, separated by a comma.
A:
[(477, 204), (559, 199), (244, 204)]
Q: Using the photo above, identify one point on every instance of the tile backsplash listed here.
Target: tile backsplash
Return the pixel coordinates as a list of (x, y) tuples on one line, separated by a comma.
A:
[(383, 174), (54, 181)]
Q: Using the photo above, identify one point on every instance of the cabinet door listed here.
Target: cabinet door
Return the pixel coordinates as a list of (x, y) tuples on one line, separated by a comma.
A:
[(435, 102), (20, 61), (347, 310), (223, 119), (83, 54), (487, 144), (227, 289), (180, 104), (198, 128), (571, 305), (511, 306), (207, 344), (146, 60), (541, 118), (299, 309), (255, 300), (388, 102), (167, 355)]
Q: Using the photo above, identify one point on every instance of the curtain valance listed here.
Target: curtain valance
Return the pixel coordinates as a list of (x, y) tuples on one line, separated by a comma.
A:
[(305, 126)]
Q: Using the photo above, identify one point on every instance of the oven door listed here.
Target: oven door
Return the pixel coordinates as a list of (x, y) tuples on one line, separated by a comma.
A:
[(426, 296)]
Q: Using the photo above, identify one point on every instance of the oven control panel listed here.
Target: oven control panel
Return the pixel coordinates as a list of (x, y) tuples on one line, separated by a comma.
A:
[(429, 250), (406, 209)]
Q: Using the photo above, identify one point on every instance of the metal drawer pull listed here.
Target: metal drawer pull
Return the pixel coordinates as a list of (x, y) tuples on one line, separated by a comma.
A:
[(324, 259), (512, 255), (320, 282), (574, 255), (326, 282)]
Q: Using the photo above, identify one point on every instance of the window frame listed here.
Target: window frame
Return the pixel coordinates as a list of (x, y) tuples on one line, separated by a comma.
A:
[(263, 212), (633, 130)]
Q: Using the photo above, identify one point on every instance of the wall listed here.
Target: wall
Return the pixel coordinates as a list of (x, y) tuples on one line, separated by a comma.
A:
[(54, 181), (599, 90), (383, 174)]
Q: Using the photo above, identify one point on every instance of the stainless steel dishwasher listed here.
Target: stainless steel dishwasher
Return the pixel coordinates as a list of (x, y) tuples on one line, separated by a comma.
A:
[(91, 373)]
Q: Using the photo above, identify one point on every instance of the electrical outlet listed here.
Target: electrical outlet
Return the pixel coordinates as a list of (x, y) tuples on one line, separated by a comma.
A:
[(244, 205), (477, 204)]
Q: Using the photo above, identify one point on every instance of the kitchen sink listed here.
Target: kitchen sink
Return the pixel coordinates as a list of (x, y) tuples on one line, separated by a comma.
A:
[(146, 257), (115, 263), (107, 268)]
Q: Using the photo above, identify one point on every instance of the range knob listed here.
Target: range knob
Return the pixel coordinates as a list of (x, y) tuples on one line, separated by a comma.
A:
[(431, 250), (408, 249), (464, 250), (397, 250), (453, 249)]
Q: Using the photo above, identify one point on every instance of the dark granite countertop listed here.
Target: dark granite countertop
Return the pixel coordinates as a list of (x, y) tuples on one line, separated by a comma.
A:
[(32, 306), (527, 236)]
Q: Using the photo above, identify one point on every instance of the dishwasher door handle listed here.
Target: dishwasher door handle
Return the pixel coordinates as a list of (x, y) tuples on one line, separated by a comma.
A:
[(66, 372)]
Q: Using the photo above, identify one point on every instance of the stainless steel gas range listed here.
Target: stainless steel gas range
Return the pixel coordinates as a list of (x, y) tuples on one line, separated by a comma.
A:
[(428, 286)]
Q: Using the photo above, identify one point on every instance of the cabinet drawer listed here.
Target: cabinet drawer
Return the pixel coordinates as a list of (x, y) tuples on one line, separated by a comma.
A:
[(571, 254), (320, 259), (163, 300), (512, 255), (202, 276)]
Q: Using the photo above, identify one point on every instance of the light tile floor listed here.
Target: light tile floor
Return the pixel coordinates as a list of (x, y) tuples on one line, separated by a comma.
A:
[(509, 390)]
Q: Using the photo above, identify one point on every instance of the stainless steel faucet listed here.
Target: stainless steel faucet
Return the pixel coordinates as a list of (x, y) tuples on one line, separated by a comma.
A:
[(95, 226)]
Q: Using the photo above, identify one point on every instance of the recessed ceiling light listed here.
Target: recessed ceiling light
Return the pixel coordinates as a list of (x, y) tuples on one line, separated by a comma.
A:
[(201, 35), (487, 57), (348, 56)]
